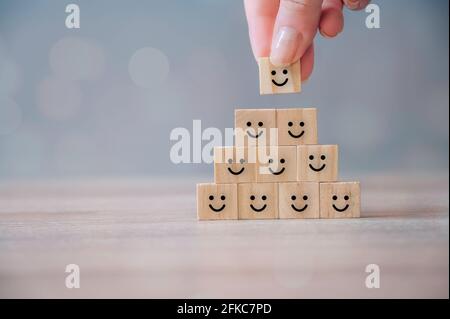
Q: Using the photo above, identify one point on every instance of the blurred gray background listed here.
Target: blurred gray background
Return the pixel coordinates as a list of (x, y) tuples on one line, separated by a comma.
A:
[(102, 100)]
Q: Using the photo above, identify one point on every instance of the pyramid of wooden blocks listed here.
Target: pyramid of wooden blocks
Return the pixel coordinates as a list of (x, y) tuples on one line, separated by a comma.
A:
[(277, 170)]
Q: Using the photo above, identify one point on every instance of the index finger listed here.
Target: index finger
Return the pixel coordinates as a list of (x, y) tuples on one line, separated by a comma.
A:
[(261, 16)]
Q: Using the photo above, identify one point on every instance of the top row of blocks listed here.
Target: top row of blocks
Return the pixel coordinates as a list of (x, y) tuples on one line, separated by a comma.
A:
[(294, 126)]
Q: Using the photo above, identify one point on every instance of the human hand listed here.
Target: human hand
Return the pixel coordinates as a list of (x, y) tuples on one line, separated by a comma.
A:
[(285, 29)]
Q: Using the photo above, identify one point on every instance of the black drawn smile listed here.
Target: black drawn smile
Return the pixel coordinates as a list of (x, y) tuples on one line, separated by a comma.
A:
[(236, 173), (277, 173), (299, 209), (217, 209), (255, 136), (317, 169), (296, 136), (278, 84), (258, 209), (341, 210)]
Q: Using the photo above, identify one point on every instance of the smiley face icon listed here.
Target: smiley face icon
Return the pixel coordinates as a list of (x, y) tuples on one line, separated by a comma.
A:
[(234, 165), (217, 201), (279, 170), (340, 200), (221, 207), (253, 205), (299, 200), (291, 132), (277, 164), (239, 171), (282, 82), (253, 127), (322, 164), (256, 132), (274, 80), (305, 203), (343, 209), (258, 201), (297, 126), (317, 163)]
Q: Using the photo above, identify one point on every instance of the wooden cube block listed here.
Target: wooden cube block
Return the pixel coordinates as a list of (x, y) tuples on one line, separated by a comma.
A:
[(253, 127), (317, 163), (340, 200), (274, 80), (217, 201), (258, 201), (234, 165), (298, 200), (276, 164), (297, 126)]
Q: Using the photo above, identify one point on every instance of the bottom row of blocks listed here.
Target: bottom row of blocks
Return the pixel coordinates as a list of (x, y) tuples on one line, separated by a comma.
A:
[(278, 200)]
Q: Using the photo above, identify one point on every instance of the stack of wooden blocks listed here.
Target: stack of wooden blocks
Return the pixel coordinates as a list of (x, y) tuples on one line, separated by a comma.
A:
[(297, 178)]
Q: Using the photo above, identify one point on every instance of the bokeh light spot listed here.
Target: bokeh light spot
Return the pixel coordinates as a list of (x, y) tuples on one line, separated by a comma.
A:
[(148, 67)]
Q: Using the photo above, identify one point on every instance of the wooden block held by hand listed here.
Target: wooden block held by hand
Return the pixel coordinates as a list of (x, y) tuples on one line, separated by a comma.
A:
[(299, 200), (234, 165), (258, 201), (340, 200), (317, 163), (253, 127), (276, 164), (217, 201), (297, 126), (274, 80)]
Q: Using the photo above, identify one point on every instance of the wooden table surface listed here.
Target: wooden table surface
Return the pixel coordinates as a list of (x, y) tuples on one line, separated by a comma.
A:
[(140, 238)]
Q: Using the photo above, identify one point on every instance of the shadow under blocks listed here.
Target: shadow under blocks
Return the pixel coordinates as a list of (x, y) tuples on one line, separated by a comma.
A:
[(277, 170)]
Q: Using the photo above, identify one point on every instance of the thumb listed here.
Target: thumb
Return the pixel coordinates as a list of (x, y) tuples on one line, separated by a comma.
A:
[(295, 27)]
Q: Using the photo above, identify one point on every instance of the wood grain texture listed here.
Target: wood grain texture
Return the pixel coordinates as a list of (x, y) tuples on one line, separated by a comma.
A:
[(297, 126), (317, 163), (140, 238), (299, 200), (340, 200), (276, 80)]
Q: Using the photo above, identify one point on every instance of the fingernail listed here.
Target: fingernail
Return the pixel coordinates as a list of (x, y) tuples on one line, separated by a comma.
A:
[(352, 4), (284, 46), (326, 36)]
